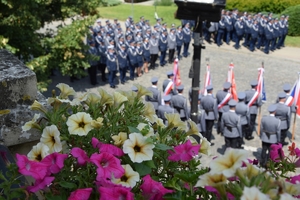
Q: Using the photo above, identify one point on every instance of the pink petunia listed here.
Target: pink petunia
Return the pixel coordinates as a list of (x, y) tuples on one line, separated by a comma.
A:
[(31, 168), (40, 184), (276, 153), (81, 155), (184, 152), (153, 190), (297, 152), (55, 162), (81, 194), (295, 179), (109, 148), (216, 192), (115, 193), (108, 165)]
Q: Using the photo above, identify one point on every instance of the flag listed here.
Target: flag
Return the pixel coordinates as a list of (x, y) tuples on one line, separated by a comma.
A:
[(224, 101), (259, 88), (207, 80), (297, 96), (176, 78), (290, 100), (231, 79)]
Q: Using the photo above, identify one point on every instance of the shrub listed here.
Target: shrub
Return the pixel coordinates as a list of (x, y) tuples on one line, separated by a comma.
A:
[(294, 23), (163, 2), (110, 2)]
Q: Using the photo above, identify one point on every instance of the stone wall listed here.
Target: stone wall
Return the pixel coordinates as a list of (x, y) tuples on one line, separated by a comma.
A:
[(18, 90)]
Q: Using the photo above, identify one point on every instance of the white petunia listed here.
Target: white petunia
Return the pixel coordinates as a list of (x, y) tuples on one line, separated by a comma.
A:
[(65, 90), (31, 124), (38, 152), (253, 193), (51, 138), (129, 179), (79, 124)]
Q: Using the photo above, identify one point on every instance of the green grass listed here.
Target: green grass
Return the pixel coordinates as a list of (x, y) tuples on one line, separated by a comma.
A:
[(122, 12), (292, 41)]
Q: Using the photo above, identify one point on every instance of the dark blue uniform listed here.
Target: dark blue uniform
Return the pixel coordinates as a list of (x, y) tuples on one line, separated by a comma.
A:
[(221, 31), (146, 52), (239, 28), (112, 67), (269, 36), (254, 36), (179, 41), (163, 46), (187, 35), (102, 62), (122, 60), (132, 60)]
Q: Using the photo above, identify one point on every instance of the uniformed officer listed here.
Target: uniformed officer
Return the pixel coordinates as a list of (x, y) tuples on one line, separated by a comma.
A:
[(275, 34), (140, 59), (168, 83), (228, 26), (270, 133), (221, 97), (239, 28), (179, 102), (153, 50), (210, 106), (261, 32), (122, 60), (283, 113), (287, 88), (221, 30), (128, 22), (132, 59), (112, 66), (269, 35), (231, 126), (179, 41), (187, 36), (252, 109), (171, 44), (103, 57), (163, 47), (242, 110), (166, 108), (156, 97), (93, 63), (248, 26), (281, 30), (146, 54), (254, 35)]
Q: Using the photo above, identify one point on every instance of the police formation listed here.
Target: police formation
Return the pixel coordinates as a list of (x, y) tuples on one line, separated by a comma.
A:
[(134, 50), (257, 31), (235, 120)]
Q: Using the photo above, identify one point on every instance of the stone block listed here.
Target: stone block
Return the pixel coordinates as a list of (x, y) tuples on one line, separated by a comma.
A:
[(18, 84)]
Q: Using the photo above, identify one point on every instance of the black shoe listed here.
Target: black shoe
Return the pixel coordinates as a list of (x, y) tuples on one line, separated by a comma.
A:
[(112, 86), (95, 83), (131, 79), (250, 138), (212, 144), (284, 143), (123, 82)]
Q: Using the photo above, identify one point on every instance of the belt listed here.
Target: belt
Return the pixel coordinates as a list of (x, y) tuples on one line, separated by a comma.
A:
[(269, 133), (282, 119), (229, 128), (207, 111)]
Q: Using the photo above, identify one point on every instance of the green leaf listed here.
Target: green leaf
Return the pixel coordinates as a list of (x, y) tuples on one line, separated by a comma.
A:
[(142, 169), (162, 147), (150, 164), (68, 185), (50, 196), (188, 176), (173, 184), (133, 129)]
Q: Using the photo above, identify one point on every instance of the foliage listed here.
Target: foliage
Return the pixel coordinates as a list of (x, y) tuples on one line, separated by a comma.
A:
[(294, 23), (84, 142), (163, 2), (275, 6), (110, 2)]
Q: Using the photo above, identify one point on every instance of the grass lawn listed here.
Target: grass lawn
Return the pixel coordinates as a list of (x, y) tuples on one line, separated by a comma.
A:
[(122, 12)]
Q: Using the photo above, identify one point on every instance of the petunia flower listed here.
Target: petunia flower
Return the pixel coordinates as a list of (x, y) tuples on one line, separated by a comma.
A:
[(79, 98), (138, 148), (115, 193), (38, 107), (149, 112), (81, 155), (205, 147), (81, 194), (55, 162), (184, 152), (109, 148), (32, 124), (142, 91), (31, 168), (105, 97), (193, 128), (108, 165), (286, 196), (119, 139), (119, 99), (153, 190), (51, 138), (291, 149), (97, 123), (130, 95), (38, 152), (79, 124), (276, 152), (229, 196), (174, 121), (92, 98), (297, 152), (129, 179), (253, 193), (210, 179), (65, 90), (159, 121), (40, 184), (290, 188), (249, 171), (229, 162), (145, 127)]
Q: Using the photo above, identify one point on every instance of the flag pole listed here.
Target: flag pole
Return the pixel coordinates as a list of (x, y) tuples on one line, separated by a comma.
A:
[(259, 112), (294, 125)]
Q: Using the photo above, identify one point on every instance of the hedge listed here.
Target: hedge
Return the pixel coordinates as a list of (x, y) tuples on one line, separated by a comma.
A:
[(294, 22)]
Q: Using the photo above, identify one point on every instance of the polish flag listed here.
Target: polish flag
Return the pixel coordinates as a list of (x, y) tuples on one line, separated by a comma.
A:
[(231, 79), (207, 80)]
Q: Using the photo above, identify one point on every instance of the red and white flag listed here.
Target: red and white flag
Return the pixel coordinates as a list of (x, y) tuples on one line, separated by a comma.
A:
[(231, 79), (176, 78), (296, 94), (224, 101), (207, 80), (259, 88)]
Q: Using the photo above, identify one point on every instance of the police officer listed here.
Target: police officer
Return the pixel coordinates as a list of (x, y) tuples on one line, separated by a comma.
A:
[(283, 113), (156, 94), (228, 26), (221, 30), (187, 35), (248, 26), (210, 106), (269, 35), (179, 41), (112, 67), (122, 60), (261, 32), (221, 97), (270, 133), (171, 44), (166, 108), (281, 30), (287, 88), (253, 109), (275, 34), (146, 54), (103, 57), (132, 59), (140, 59), (163, 46), (254, 35), (242, 110), (231, 126), (153, 50), (179, 102), (93, 63), (239, 28), (168, 83)]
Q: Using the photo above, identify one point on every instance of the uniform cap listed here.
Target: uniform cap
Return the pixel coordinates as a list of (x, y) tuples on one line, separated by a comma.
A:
[(172, 29), (232, 103), (170, 73), (226, 85), (167, 98), (241, 95), (154, 80), (141, 17), (178, 26), (115, 19), (253, 83), (272, 108), (123, 45), (110, 47), (173, 25), (158, 19), (164, 24), (209, 87), (180, 87), (146, 20), (155, 26), (286, 87), (129, 17), (281, 95), (106, 21), (98, 20)]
